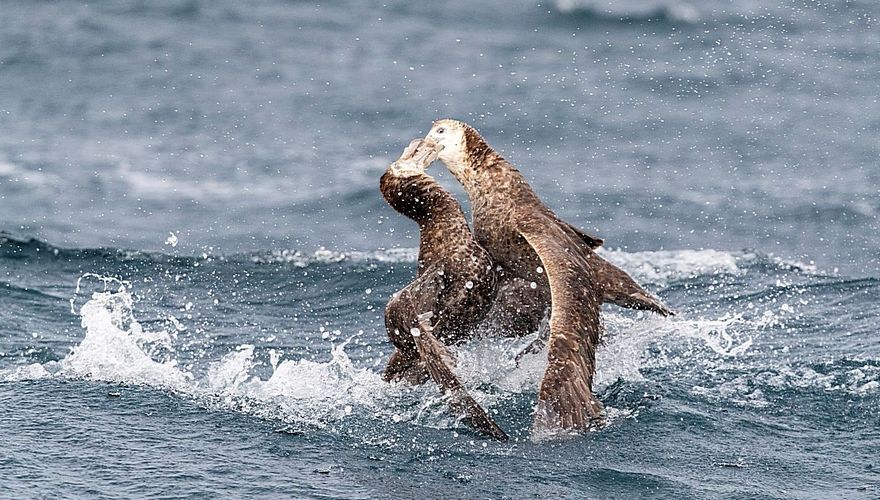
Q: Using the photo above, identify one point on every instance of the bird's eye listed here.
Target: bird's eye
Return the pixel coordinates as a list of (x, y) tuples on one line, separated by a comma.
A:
[(441, 130)]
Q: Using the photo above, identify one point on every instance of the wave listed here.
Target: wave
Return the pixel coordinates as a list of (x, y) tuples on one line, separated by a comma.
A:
[(117, 348), (722, 353), (718, 356), (751, 389), (323, 256), (16, 248), (652, 266), (675, 11), (15, 173), (687, 13)]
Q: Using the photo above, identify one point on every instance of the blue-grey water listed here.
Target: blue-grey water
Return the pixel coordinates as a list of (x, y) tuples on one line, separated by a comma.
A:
[(194, 255)]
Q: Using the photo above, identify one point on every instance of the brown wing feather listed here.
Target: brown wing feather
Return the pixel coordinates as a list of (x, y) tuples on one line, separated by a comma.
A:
[(565, 399), (438, 360), (618, 286), (591, 241)]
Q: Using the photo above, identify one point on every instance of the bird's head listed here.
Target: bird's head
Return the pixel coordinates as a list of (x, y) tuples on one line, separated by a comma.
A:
[(452, 137)]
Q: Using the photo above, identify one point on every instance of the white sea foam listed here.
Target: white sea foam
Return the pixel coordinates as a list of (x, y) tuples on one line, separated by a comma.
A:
[(156, 185), (663, 266), (33, 371), (655, 267), (148, 183), (749, 389), (324, 256), (118, 348), (18, 173)]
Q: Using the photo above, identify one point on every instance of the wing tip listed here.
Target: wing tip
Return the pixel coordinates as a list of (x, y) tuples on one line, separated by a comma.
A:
[(438, 361), (651, 303)]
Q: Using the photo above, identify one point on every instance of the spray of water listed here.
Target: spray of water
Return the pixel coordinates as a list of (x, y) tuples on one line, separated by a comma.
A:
[(118, 348)]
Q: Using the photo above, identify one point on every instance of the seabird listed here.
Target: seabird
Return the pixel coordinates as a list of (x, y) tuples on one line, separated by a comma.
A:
[(453, 290), (543, 261)]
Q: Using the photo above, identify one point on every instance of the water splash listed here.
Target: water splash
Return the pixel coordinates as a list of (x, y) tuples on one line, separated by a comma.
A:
[(637, 349), (116, 347)]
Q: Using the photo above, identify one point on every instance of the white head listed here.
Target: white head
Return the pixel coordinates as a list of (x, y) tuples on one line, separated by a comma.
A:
[(452, 136)]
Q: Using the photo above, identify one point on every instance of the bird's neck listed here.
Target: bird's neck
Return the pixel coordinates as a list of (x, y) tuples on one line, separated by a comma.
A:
[(438, 214), (491, 182)]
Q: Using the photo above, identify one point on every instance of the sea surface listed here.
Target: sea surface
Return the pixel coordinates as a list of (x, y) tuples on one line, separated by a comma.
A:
[(194, 255)]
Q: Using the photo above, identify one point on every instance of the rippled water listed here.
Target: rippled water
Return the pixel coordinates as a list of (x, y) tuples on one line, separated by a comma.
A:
[(194, 255)]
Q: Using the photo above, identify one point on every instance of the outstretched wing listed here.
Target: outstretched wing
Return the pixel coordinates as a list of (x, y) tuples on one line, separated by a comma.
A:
[(618, 286), (565, 399)]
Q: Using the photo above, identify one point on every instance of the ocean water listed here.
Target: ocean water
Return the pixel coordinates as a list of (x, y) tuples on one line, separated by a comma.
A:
[(194, 256)]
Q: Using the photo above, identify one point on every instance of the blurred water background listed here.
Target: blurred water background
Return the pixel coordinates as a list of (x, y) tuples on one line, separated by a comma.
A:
[(194, 254)]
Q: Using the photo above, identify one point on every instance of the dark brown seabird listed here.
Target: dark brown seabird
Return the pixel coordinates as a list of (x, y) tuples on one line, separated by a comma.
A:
[(543, 261), (454, 287)]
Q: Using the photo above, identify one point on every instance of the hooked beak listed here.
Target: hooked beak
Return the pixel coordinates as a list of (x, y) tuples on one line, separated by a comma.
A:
[(421, 152), (416, 158), (431, 151)]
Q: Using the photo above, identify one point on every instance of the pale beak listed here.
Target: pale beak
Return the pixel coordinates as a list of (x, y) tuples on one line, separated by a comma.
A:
[(420, 153), (432, 151), (410, 150)]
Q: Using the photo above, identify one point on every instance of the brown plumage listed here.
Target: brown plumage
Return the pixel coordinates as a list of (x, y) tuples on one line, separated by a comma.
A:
[(544, 262), (454, 287)]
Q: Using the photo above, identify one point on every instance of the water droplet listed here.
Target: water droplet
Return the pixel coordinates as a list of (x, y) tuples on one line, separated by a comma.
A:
[(533, 285), (469, 285), (172, 240)]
